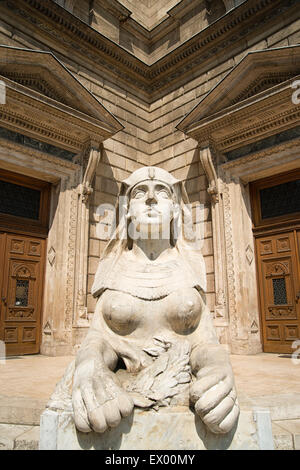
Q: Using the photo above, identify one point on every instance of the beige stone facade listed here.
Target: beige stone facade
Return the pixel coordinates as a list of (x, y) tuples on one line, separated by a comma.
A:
[(177, 84)]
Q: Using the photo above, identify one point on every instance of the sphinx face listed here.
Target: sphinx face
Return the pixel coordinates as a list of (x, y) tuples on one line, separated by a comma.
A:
[(151, 208)]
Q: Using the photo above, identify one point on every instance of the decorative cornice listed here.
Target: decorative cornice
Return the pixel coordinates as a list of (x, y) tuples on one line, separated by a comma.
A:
[(216, 39), (193, 56), (17, 114), (34, 127), (254, 109), (67, 23), (261, 83), (50, 104), (41, 156), (295, 143), (284, 120), (114, 7), (249, 124), (257, 78)]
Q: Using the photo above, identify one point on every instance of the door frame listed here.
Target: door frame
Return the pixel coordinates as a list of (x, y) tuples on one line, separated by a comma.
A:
[(272, 226), (27, 227), (9, 259)]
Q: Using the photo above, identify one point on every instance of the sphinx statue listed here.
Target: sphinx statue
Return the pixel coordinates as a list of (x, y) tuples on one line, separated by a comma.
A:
[(151, 343)]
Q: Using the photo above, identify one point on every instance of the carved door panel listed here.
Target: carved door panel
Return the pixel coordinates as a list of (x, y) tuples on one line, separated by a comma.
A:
[(279, 285), (21, 292)]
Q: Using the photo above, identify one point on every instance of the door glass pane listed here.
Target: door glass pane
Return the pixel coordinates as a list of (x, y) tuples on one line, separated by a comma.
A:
[(279, 291), (280, 200), (22, 288), (19, 201)]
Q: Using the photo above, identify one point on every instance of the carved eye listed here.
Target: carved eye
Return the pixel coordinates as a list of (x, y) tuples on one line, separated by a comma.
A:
[(164, 193), (138, 194)]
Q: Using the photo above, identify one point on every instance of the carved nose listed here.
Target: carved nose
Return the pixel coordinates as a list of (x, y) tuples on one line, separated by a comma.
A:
[(151, 199)]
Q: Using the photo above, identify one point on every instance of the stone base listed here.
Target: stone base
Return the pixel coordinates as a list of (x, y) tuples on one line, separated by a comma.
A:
[(168, 429)]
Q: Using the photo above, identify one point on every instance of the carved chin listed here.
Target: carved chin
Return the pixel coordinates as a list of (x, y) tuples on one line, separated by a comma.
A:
[(150, 228)]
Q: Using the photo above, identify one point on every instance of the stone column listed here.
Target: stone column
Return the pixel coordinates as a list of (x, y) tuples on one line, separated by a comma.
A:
[(91, 159), (60, 268), (84, 191), (236, 308), (221, 309), (240, 268)]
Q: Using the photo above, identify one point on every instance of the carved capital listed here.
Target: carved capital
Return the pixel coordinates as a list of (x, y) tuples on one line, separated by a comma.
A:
[(91, 159), (206, 159)]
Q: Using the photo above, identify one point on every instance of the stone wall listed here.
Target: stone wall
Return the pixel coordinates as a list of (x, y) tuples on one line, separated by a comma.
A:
[(150, 136)]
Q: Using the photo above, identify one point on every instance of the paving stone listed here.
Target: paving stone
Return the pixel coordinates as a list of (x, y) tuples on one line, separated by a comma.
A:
[(29, 440), (8, 434), (283, 439), (292, 426)]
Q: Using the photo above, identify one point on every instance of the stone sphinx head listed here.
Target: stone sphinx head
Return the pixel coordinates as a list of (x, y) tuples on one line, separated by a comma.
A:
[(152, 205), (152, 199)]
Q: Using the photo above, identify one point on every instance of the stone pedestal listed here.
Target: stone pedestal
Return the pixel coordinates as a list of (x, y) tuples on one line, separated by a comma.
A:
[(169, 429)]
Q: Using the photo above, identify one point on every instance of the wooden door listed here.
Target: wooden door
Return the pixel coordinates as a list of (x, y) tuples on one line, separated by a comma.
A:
[(279, 287), (21, 284)]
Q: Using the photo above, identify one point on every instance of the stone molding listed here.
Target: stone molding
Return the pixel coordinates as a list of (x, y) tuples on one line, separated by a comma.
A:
[(38, 156), (242, 291), (229, 268), (40, 113), (91, 157), (264, 155), (210, 168), (227, 123), (150, 80)]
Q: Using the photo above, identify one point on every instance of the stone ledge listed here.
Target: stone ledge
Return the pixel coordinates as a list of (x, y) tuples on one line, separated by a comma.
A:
[(286, 436), (171, 429), (21, 410), (282, 407)]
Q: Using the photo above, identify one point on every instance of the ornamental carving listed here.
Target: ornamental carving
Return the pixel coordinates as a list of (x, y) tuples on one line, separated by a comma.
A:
[(35, 82), (249, 254), (280, 312), (278, 269), (25, 313), (22, 271), (261, 83)]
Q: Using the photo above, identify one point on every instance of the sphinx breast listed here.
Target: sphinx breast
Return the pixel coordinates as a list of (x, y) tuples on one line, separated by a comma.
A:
[(183, 310), (121, 311), (180, 311)]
